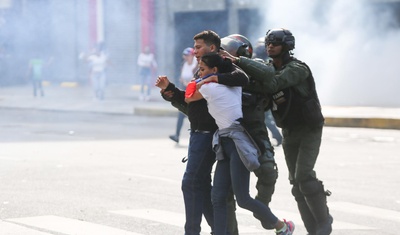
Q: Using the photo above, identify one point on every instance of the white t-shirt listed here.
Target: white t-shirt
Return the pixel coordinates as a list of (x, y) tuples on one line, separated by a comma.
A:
[(146, 60), (98, 62), (187, 71), (224, 103)]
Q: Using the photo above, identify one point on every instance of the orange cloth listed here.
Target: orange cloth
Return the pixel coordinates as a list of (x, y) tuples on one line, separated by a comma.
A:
[(190, 89)]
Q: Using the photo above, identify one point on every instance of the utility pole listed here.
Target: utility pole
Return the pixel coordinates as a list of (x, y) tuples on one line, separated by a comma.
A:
[(233, 18)]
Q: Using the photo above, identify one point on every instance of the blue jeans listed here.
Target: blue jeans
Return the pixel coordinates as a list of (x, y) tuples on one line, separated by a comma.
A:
[(196, 182), (231, 172), (98, 80), (145, 74), (179, 124)]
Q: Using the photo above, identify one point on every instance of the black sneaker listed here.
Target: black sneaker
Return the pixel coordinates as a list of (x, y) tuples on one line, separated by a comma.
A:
[(174, 138)]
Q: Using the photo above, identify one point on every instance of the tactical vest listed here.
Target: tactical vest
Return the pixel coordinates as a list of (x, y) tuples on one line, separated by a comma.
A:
[(291, 109)]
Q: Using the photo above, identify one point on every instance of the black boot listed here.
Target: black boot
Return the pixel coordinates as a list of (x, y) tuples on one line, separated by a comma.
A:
[(318, 206), (305, 213)]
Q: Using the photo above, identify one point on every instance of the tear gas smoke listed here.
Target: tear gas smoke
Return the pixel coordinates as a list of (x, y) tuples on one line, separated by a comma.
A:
[(351, 47)]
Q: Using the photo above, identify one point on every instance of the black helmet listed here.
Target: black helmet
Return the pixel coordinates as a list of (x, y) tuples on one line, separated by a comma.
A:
[(280, 36), (259, 49), (237, 45)]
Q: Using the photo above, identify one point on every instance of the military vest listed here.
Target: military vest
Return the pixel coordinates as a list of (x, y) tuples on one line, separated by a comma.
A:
[(291, 109)]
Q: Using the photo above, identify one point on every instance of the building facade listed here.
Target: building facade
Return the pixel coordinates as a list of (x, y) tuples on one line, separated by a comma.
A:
[(64, 30)]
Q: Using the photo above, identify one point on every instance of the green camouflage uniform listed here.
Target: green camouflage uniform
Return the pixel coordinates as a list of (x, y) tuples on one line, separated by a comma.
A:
[(297, 111)]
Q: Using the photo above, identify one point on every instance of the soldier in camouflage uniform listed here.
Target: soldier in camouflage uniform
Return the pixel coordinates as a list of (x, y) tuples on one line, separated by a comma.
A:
[(255, 102), (296, 109)]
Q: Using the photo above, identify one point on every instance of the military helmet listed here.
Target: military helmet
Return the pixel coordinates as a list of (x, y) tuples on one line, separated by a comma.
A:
[(237, 45), (280, 36), (259, 49)]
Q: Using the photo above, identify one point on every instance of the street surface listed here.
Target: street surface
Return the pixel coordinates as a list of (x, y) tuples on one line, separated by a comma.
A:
[(70, 173)]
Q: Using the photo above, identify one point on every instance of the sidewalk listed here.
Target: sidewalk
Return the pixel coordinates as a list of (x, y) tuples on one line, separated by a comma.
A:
[(124, 99), (119, 99)]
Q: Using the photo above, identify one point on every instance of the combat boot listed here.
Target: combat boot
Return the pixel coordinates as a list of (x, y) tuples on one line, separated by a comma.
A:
[(305, 213), (317, 204)]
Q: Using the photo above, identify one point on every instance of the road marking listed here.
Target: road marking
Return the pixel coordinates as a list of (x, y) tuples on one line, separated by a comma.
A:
[(69, 226), (153, 178), (366, 210), (14, 229), (295, 217), (76, 227), (176, 219), (337, 225)]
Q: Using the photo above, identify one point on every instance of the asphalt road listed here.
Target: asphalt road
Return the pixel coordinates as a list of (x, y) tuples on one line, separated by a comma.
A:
[(19, 125), (92, 174)]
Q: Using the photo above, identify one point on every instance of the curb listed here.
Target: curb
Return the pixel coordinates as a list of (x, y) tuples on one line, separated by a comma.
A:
[(128, 104), (158, 112), (69, 84), (379, 123)]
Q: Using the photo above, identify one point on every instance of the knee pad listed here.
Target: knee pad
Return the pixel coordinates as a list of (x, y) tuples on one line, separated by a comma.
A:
[(296, 191), (267, 173), (311, 187), (297, 194)]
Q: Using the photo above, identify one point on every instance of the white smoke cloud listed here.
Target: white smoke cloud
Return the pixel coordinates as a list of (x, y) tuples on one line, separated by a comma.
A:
[(350, 46)]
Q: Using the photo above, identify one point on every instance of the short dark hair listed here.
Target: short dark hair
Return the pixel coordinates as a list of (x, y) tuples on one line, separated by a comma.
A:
[(213, 59), (210, 38)]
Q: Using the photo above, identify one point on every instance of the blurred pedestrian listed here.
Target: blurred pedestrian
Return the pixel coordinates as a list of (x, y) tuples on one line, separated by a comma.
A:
[(147, 63), (98, 62), (35, 73), (188, 70)]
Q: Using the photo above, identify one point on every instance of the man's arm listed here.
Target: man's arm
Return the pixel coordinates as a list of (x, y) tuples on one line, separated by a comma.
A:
[(294, 74), (176, 97), (195, 97), (255, 69), (172, 94), (235, 78)]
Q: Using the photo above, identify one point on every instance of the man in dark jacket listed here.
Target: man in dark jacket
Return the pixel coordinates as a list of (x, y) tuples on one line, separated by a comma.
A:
[(196, 182)]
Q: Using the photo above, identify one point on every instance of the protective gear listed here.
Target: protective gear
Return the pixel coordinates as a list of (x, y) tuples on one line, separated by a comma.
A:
[(267, 174), (280, 36), (292, 108), (246, 41), (259, 50), (237, 45), (315, 196), (305, 213)]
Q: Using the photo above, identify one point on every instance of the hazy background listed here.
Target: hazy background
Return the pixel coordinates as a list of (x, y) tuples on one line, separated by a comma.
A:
[(351, 46)]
